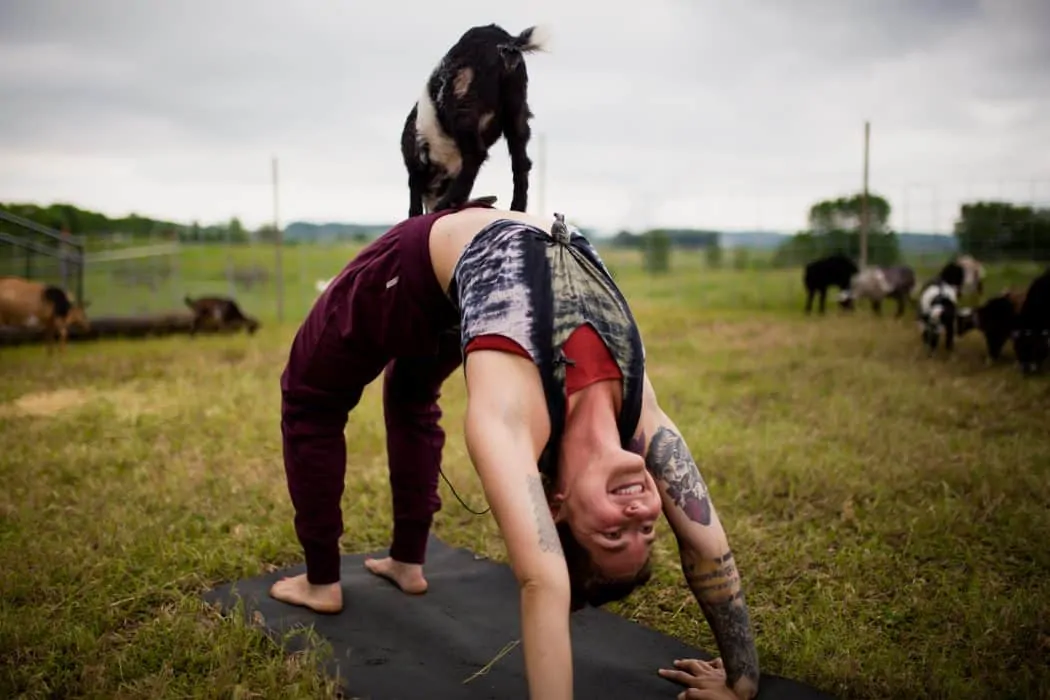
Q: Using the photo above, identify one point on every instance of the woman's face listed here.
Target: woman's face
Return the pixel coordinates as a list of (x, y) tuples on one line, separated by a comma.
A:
[(611, 504)]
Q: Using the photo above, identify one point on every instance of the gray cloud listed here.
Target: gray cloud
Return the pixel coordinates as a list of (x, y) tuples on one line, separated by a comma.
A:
[(679, 114)]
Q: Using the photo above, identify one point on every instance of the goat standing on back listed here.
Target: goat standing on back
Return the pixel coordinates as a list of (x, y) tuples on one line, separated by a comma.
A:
[(477, 93)]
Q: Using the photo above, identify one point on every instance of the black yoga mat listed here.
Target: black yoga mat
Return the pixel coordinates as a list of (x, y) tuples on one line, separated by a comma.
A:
[(391, 646)]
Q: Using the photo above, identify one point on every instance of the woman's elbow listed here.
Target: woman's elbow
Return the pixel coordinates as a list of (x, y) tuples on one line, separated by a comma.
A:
[(548, 594), (549, 585)]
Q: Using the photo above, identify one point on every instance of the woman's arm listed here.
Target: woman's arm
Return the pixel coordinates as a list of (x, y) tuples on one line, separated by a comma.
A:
[(707, 559), (506, 428)]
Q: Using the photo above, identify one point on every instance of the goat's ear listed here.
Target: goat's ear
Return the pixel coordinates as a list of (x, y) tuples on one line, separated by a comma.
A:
[(511, 56)]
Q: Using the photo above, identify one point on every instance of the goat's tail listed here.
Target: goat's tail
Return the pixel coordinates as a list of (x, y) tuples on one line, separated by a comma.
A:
[(535, 38)]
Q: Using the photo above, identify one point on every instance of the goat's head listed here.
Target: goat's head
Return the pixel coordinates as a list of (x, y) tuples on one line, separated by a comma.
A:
[(846, 299)]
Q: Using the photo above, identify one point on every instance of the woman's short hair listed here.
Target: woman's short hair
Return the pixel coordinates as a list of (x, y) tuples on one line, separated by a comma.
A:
[(588, 585)]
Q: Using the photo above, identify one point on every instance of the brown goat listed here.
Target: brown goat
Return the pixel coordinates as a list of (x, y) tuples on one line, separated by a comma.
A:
[(28, 304), (219, 313)]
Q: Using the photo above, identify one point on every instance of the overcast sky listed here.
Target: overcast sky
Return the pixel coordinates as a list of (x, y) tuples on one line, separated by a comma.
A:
[(692, 113)]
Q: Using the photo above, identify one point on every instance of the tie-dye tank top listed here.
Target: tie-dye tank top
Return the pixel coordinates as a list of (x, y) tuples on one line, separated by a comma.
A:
[(536, 288)]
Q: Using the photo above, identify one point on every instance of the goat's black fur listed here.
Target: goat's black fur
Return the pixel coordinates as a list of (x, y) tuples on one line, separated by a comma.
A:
[(59, 301), (997, 320), (477, 93), (1032, 334), (953, 274), (832, 271)]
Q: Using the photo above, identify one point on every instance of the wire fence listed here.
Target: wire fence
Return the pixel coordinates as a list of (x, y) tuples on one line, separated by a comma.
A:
[(125, 275)]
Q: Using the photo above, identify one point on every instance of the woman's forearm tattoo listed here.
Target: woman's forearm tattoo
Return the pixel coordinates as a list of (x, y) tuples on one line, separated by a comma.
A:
[(670, 461), (548, 536), (716, 585)]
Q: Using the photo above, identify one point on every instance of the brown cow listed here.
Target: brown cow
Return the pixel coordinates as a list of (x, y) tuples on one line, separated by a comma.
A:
[(219, 313), (29, 304)]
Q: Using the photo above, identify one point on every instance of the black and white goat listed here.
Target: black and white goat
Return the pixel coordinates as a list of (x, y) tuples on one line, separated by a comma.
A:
[(477, 93), (939, 313), (966, 274)]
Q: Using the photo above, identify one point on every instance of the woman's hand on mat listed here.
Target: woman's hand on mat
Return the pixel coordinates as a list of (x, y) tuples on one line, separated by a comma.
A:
[(296, 590), (407, 577), (704, 680)]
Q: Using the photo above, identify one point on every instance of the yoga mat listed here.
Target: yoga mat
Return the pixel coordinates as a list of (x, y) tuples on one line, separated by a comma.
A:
[(391, 646)]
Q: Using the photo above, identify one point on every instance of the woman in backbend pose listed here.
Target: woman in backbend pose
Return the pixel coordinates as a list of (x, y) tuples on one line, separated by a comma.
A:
[(576, 458)]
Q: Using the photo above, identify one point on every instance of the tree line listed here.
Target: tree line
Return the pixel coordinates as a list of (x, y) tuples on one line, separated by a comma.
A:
[(989, 230)]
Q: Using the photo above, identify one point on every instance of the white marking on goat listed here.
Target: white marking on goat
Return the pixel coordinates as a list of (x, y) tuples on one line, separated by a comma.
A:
[(461, 83), (392, 282), (443, 149), (540, 38)]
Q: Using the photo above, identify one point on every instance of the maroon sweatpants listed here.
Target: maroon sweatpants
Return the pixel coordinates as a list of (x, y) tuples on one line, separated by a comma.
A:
[(385, 312)]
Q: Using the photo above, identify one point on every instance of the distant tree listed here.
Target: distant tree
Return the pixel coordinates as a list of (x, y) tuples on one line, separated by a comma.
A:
[(1002, 231), (834, 227), (656, 251), (713, 255)]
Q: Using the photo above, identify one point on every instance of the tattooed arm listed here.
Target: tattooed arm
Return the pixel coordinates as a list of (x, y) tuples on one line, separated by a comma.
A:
[(707, 560), (506, 428)]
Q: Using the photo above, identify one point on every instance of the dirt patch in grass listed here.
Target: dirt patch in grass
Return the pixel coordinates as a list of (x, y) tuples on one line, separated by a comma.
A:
[(45, 403)]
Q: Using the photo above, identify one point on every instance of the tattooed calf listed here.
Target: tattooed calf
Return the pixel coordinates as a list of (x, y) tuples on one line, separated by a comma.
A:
[(549, 541), (670, 461)]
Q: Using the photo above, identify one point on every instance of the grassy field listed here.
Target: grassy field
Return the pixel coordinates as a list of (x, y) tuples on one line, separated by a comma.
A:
[(890, 513)]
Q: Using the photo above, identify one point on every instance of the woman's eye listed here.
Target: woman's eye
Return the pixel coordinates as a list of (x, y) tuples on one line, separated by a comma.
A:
[(615, 535), (646, 529)]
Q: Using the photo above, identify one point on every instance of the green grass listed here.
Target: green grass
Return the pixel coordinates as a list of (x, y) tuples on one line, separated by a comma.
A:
[(890, 514)]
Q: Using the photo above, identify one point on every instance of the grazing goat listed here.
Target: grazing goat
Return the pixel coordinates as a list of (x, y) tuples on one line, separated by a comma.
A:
[(997, 320), (29, 304), (938, 312), (878, 283), (477, 93), (831, 271), (219, 313), (1032, 333)]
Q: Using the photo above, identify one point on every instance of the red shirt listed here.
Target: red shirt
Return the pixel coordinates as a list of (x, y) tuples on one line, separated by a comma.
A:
[(593, 361)]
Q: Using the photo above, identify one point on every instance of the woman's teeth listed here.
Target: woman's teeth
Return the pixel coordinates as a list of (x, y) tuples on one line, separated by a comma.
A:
[(628, 490)]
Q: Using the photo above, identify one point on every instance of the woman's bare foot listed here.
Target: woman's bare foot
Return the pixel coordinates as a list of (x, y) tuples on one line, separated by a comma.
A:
[(296, 590), (407, 577)]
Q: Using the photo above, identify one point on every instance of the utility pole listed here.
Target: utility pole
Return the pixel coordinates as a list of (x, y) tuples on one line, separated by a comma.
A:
[(864, 202), (279, 243)]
